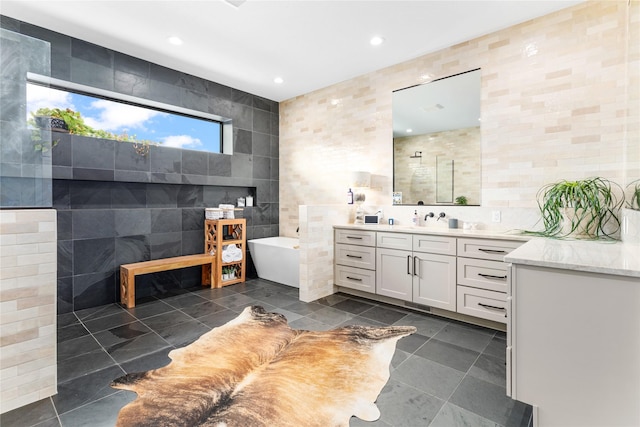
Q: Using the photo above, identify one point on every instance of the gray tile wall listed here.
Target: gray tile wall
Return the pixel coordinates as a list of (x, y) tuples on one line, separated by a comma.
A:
[(115, 206), (25, 173)]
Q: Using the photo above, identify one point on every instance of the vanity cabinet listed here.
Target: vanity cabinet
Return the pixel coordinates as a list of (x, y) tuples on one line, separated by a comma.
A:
[(417, 268), (355, 259), (454, 274), (483, 277), (573, 337)]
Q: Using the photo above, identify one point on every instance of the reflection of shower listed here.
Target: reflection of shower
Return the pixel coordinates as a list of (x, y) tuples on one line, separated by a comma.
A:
[(416, 155)]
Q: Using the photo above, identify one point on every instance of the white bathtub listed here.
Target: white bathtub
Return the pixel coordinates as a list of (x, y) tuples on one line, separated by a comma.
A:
[(277, 259)]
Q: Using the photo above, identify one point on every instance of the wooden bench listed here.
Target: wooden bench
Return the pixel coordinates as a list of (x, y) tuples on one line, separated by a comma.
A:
[(128, 272)]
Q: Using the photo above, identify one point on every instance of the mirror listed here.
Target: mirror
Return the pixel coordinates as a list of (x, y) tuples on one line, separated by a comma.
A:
[(436, 142)]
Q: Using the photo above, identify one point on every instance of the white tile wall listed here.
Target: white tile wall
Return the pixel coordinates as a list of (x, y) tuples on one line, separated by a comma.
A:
[(28, 265), (560, 100)]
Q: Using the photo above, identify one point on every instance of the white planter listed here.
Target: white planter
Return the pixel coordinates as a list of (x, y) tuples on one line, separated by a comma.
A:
[(630, 226), (583, 228)]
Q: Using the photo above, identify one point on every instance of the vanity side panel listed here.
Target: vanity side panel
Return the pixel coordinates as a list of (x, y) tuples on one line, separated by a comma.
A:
[(576, 346)]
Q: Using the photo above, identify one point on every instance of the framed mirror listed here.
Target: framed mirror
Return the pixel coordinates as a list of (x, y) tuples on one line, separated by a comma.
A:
[(436, 142)]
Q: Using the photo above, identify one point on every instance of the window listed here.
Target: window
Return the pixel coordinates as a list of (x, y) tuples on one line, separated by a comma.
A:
[(103, 114)]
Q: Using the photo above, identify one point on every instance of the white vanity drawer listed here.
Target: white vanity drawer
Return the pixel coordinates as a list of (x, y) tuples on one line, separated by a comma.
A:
[(355, 237), (355, 278), (484, 274), (434, 244), (486, 248), (395, 240), (356, 256), (482, 303)]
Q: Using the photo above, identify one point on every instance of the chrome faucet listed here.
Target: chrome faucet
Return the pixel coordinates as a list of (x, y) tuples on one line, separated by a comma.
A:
[(441, 215), (429, 215)]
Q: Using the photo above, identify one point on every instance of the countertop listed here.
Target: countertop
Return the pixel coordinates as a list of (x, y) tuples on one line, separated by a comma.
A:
[(441, 231), (617, 258)]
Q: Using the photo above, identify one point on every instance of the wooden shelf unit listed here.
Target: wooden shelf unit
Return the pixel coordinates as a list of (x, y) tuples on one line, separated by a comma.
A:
[(215, 231)]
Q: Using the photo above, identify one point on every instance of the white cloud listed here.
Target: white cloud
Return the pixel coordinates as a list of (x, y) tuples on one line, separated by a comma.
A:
[(181, 141), (116, 117), (41, 97)]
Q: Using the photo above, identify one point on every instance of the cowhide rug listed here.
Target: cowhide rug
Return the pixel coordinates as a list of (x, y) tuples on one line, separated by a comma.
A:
[(257, 371)]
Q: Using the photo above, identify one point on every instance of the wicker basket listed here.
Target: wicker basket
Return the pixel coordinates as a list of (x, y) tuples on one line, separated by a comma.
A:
[(213, 213)]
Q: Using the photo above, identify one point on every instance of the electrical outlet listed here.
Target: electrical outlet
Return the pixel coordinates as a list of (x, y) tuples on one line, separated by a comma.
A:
[(496, 216)]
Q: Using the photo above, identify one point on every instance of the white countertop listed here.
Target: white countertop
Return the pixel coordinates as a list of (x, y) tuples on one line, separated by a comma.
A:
[(442, 231), (617, 258)]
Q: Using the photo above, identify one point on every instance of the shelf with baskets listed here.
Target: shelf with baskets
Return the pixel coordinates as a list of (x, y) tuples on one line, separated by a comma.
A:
[(226, 239)]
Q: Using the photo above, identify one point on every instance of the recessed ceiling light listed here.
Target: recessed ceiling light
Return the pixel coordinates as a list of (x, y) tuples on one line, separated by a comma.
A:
[(278, 80), (409, 130), (175, 40), (376, 41)]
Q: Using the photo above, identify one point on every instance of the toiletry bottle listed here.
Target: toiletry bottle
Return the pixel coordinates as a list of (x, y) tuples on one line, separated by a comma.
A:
[(350, 197), (415, 220)]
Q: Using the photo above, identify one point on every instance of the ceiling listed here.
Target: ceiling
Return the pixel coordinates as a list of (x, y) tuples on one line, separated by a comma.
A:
[(309, 44), (441, 105)]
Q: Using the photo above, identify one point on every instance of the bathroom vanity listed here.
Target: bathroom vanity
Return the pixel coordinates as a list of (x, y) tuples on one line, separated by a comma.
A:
[(571, 308), (573, 339), (450, 272)]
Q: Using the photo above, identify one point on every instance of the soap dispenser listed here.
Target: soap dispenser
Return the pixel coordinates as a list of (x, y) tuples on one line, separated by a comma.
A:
[(416, 219)]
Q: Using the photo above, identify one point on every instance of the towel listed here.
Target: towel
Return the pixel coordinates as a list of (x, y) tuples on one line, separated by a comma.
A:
[(231, 253)]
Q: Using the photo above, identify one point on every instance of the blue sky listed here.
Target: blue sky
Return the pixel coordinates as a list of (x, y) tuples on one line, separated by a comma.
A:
[(166, 129)]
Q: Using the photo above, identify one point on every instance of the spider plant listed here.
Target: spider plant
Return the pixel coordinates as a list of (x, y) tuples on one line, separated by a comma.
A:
[(582, 209), (461, 200)]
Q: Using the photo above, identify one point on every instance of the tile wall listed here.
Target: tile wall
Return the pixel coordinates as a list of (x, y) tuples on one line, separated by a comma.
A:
[(559, 101), (115, 206), (27, 306)]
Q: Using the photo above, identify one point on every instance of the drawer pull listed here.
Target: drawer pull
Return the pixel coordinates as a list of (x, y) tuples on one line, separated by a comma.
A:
[(354, 256), (492, 307), (354, 237), (354, 278), (489, 276), (492, 251)]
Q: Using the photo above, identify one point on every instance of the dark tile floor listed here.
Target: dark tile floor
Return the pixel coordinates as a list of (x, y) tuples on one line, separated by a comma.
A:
[(447, 374)]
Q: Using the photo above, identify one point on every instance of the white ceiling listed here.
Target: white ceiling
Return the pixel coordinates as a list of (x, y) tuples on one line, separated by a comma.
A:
[(310, 44)]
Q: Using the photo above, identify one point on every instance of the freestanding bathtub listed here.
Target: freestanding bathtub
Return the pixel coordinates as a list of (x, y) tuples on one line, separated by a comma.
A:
[(277, 259)]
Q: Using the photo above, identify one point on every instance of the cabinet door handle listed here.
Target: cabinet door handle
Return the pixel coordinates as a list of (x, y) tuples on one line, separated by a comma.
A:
[(415, 270), (492, 251), (354, 278), (354, 237), (408, 264), (489, 276), (492, 307), (354, 256)]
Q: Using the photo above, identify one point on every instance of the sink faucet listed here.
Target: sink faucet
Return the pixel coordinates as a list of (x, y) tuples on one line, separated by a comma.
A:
[(441, 215), (429, 215)]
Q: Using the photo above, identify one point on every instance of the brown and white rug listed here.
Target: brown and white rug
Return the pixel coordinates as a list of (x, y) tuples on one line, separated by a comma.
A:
[(257, 371)]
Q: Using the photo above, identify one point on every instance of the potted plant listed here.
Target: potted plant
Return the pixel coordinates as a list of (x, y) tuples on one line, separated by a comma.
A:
[(55, 120), (461, 200), (586, 208), (60, 120)]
